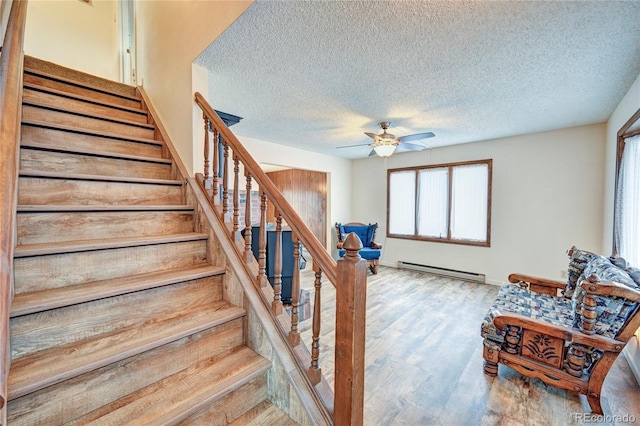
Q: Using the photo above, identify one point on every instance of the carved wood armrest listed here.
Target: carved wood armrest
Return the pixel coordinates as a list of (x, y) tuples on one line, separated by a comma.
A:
[(516, 278), (375, 245), (573, 335), (610, 288), (538, 284)]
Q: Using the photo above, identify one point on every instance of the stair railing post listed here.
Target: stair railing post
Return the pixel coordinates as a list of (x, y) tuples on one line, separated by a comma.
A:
[(225, 183), (351, 300), (262, 243), (216, 167), (276, 306), (248, 254), (206, 149), (236, 195), (294, 335), (315, 372)]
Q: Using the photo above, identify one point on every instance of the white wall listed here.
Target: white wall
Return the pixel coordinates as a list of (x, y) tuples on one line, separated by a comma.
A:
[(78, 35), (547, 195), (170, 35), (338, 170), (627, 107)]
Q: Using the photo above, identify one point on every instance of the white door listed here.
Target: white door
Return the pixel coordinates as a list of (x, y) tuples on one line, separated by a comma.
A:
[(126, 10)]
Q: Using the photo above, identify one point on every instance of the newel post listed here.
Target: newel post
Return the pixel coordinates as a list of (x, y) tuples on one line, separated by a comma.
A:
[(351, 301)]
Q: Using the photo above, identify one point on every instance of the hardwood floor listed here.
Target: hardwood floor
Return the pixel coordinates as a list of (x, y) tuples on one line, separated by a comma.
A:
[(424, 360)]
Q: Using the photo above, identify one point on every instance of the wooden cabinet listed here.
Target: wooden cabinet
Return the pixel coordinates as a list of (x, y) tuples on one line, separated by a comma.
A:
[(306, 191)]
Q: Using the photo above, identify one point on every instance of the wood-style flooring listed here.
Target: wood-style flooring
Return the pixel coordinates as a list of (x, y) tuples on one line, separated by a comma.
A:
[(424, 360)]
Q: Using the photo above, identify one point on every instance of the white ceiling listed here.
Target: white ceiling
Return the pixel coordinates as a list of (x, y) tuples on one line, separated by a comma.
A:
[(317, 74)]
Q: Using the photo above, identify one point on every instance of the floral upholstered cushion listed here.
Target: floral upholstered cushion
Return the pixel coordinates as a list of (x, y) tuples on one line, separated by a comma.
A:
[(514, 299), (612, 311)]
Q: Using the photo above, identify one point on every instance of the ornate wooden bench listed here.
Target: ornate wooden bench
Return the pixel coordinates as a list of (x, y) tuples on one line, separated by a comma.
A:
[(566, 334)]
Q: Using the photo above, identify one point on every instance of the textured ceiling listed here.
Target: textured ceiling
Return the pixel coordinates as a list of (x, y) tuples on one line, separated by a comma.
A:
[(317, 74)]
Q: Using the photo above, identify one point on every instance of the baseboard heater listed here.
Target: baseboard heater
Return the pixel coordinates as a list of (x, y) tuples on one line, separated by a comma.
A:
[(452, 273)]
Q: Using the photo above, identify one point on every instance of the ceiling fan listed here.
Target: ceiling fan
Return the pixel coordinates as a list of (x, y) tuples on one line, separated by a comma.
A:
[(386, 144)]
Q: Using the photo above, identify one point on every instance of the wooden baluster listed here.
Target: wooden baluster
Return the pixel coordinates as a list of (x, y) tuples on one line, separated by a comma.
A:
[(589, 315), (315, 372), (351, 305), (294, 335), (262, 243), (216, 166), (207, 148), (248, 254), (576, 359), (276, 306), (236, 195), (512, 339), (225, 183)]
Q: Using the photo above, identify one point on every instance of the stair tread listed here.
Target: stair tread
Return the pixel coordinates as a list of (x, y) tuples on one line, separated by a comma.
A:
[(65, 128), (54, 365), (79, 83), (89, 115), (178, 396), (51, 208), (62, 93), (265, 413), (94, 152), (76, 176), (38, 301), (42, 249)]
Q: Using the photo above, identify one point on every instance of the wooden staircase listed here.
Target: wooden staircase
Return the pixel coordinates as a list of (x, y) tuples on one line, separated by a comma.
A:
[(119, 314)]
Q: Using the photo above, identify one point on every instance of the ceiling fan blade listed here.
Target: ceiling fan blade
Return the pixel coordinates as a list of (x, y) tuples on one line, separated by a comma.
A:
[(372, 153), (351, 146), (372, 135), (404, 147), (416, 137)]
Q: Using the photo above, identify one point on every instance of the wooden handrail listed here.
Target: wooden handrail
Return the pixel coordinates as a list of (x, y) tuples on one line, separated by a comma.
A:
[(11, 65), (348, 275), (319, 254)]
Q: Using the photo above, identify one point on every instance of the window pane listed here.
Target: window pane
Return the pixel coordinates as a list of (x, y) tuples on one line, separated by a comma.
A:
[(402, 203), (433, 200), (469, 199), (627, 228)]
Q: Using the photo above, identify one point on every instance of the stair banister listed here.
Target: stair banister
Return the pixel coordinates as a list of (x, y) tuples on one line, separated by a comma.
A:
[(311, 243), (11, 65), (348, 275)]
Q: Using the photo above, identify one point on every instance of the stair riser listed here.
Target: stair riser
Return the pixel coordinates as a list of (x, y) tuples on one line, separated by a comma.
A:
[(30, 112), (68, 140), (48, 161), (231, 406), (81, 91), (40, 191), (61, 403), (76, 105), (59, 270), (34, 228), (57, 327)]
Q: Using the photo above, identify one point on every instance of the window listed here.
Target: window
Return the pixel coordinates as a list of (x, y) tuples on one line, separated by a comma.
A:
[(446, 202), (627, 201)]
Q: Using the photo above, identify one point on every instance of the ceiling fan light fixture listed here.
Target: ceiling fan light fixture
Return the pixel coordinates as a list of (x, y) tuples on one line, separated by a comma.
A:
[(384, 150)]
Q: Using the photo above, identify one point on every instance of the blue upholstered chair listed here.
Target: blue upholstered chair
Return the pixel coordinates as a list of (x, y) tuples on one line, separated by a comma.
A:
[(367, 233)]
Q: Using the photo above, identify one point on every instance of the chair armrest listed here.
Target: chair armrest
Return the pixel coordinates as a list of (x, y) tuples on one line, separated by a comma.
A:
[(375, 245), (610, 288), (573, 335), (537, 284)]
